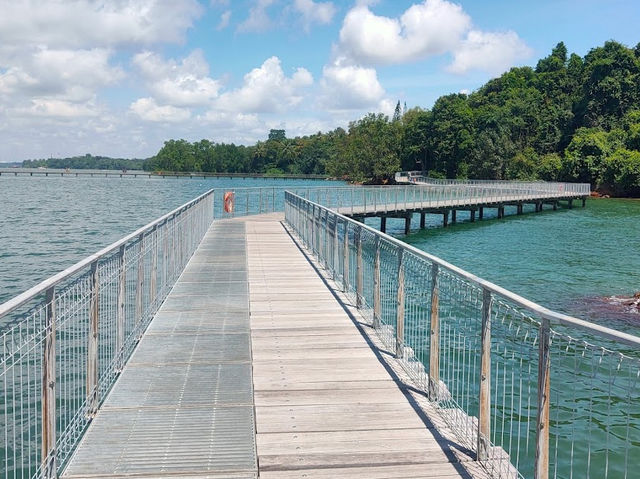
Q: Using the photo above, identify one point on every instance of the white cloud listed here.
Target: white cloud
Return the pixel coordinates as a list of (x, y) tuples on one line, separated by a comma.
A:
[(86, 23), (314, 12), (224, 20), (149, 110), (258, 19), (183, 84), (429, 28), (489, 51), (348, 87), (69, 75), (267, 90), (57, 109), (433, 27)]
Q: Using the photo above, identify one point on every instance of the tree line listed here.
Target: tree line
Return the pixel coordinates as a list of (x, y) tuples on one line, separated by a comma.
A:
[(570, 118), (86, 162)]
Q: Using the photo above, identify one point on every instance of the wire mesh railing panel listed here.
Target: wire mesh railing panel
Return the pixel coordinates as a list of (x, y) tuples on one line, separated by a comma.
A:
[(530, 392), (65, 341)]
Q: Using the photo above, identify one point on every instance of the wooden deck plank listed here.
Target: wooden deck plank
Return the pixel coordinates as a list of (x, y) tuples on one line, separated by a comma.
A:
[(326, 406)]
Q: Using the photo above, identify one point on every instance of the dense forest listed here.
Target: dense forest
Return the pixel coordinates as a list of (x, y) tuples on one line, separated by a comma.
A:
[(570, 118), (86, 162)]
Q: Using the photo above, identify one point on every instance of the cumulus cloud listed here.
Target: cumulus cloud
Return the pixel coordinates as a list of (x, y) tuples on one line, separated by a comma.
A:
[(433, 27), (429, 28), (51, 108), (267, 90), (224, 20), (489, 51), (147, 109), (258, 19), (348, 87), (184, 83), (69, 75), (314, 12), (86, 23)]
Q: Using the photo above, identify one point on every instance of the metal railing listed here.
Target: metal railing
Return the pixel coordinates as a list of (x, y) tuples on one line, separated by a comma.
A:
[(352, 200), (542, 187), (532, 392), (361, 200), (66, 340)]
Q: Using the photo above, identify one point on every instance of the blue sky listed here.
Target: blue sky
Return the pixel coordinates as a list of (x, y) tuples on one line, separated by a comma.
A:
[(119, 78)]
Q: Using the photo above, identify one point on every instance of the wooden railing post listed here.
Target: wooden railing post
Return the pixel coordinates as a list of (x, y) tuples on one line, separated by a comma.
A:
[(336, 246), (377, 309), (484, 414), (400, 308), (434, 350), (325, 239), (120, 317), (165, 252), (313, 229), (541, 466), (48, 393), (140, 279), (359, 268), (92, 346), (153, 285), (345, 263)]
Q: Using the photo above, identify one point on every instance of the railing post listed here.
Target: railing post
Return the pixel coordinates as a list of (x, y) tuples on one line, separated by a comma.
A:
[(140, 280), (92, 346), (345, 263), (376, 286), (325, 237), (165, 252), (541, 466), (400, 308), (48, 402), (120, 318), (484, 414), (434, 350), (336, 247), (359, 268), (153, 284)]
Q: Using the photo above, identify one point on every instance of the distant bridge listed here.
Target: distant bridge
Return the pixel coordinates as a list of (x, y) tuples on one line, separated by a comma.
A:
[(54, 172)]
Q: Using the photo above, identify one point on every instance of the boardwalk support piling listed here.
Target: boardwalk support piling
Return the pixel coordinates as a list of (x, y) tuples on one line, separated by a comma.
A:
[(383, 224), (407, 224), (484, 414), (422, 220)]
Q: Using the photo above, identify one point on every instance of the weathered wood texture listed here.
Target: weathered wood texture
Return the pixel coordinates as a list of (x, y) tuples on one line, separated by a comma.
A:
[(326, 405)]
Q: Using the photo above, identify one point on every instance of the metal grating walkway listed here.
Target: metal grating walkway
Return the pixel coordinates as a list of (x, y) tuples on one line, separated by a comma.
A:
[(183, 405), (328, 401)]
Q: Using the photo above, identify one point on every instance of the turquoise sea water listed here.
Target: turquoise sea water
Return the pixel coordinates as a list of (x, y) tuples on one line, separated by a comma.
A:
[(47, 224), (573, 261)]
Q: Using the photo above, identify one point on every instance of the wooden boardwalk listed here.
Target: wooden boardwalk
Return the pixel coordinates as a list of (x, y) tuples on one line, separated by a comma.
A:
[(325, 399)]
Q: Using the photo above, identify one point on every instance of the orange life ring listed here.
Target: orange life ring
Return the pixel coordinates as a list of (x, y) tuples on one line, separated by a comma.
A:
[(228, 202)]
